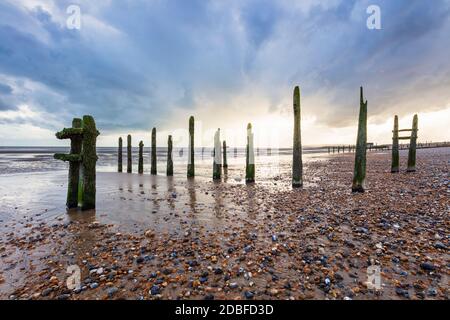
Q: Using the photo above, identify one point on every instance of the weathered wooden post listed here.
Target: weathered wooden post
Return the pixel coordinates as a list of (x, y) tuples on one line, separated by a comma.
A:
[(359, 174), (141, 158), (297, 164), (412, 145), (191, 151), (169, 170), (395, 153), (250, 157), (74, 158), (129, 160), (225, 163), (84, 136), (217, 165), (153, 160), (119, 156), (89, 155)]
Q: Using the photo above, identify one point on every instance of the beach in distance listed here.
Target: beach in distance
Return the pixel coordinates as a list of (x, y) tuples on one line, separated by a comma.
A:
[(158, 237)]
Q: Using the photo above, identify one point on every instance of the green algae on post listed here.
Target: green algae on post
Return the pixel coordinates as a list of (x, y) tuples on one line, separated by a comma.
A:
[(297, 164), (119, 156), (359, 173), (129, 160), (250, 157), (217, 165), (191, 151), (413, 145), (141, 158), (89, 153), (169, 170), (153, 155), (225, 163), (395, 153), (74, 159)]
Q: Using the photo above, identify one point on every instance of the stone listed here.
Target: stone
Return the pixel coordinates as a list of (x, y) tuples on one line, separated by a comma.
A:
[(155, 290), (249, 294), (112, 291), (427, 266)]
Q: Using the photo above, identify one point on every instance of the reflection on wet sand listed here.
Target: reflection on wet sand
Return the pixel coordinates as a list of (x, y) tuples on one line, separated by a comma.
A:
[(192, 194)]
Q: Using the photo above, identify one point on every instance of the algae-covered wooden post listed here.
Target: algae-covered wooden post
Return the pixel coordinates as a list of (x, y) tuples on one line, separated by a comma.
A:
[(169, 170), (89, 155), (119, 156), (74, 158), (412, 145), (153, 160), (141, 158), (359, 173), (250, 157), (395, 153), (297, 164), (129, 161), (83, 135), (217, 165), (225, 163), (191, 151)]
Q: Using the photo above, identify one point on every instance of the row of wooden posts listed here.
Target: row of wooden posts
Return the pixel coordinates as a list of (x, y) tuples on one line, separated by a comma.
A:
[(220, 158), (82, 158)]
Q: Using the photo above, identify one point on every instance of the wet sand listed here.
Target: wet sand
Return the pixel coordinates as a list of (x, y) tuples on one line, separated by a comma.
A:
[(173, 238)]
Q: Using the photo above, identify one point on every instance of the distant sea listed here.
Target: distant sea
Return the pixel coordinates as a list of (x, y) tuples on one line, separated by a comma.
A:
[(40, 159)]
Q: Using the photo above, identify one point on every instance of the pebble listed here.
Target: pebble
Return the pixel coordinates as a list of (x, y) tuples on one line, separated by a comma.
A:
[(249, 294), (233, 285), (402, 292), (427, 266), (46, 292), (112, 291), (155, 290), (432, 292), (93, 285), (440, 245)]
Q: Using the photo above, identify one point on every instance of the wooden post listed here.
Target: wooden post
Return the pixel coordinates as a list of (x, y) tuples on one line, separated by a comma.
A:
[(225, 163), (169, 170), (297, 163), (359, 174), (412, 146), (119, 156), (129, 155), (141, 158), (74, 167), (83, 136), (153, 160), (395, 153), (250, 157), (89, 162), (217, 165), (191, 151)]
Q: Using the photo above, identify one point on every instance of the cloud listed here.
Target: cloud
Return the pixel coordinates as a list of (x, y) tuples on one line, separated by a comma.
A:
[(136, 64)]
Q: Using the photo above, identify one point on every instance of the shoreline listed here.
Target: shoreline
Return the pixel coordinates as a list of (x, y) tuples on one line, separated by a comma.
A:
[(196, 239)]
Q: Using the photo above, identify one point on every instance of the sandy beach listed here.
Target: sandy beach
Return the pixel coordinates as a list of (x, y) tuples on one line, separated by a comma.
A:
[(154, 237)]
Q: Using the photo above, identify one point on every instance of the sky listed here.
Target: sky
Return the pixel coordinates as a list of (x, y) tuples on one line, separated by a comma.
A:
[(136, 64)]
